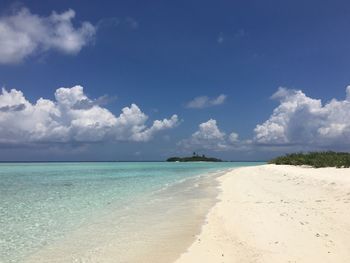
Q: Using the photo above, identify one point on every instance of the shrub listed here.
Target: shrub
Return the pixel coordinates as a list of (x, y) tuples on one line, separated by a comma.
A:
[(315, 159)]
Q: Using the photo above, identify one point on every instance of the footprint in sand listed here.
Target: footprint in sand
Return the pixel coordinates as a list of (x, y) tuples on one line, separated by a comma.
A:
[(283, 214)]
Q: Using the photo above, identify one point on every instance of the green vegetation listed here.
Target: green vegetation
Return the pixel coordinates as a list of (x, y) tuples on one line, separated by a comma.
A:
[(315, 159), (194, 158)]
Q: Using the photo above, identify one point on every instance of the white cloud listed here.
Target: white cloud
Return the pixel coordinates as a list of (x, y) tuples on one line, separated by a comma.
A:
[(204, 102), (298, 123), (210, 137), (208, 131), (301, 120), (233, 137), (157, 125), (61, 121), (131, 125), (23, 34), (219, 100)]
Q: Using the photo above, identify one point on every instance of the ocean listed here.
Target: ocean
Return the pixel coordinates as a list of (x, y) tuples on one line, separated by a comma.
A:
[(103, 211)]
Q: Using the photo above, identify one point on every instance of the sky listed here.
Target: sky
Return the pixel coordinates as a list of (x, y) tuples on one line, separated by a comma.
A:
[(145, 80)]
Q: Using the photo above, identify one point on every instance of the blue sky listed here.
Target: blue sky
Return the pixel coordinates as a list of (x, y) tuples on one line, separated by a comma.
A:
[(161, 55)]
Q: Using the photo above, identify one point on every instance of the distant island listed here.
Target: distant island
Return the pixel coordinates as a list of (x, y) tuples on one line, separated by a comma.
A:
[(194, 158), (315, 159)]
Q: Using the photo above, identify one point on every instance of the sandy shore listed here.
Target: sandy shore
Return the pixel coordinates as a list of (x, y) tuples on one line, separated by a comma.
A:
[(278, 214)]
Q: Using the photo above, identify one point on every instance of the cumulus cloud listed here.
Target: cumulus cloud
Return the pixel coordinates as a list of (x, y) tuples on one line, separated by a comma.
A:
[(233, 137), (60, 120), (208, 136), (204, 102), (23, 34), (301, 120), (157, 125), (297, 123)]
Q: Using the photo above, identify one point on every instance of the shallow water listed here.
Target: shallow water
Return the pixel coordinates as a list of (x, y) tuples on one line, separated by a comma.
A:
[(102, 212)]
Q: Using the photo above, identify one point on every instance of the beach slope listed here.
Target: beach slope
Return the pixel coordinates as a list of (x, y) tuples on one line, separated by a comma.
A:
[(273, 213)]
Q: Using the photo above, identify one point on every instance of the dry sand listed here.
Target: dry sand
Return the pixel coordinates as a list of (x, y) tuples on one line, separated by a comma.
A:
[(278, 214)]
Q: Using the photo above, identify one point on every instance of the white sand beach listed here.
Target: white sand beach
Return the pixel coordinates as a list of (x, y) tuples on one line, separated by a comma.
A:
[(278, 214)]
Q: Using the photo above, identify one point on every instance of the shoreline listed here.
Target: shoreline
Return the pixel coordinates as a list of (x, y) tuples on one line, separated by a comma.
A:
[(273, 213), (163, 230)]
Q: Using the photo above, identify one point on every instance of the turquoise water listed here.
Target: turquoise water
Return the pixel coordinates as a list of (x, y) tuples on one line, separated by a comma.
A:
[(42, 203)]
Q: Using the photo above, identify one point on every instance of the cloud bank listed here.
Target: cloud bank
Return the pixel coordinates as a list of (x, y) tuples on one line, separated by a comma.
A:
[(205, 102), (61, 121), (23, 34), (301, 120), (297, 123)]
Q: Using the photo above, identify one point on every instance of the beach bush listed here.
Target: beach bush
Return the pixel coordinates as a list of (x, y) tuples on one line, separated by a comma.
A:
[(315, 159)]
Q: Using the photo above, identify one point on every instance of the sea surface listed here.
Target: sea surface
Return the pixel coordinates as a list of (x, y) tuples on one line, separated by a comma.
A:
[(103, 212)]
